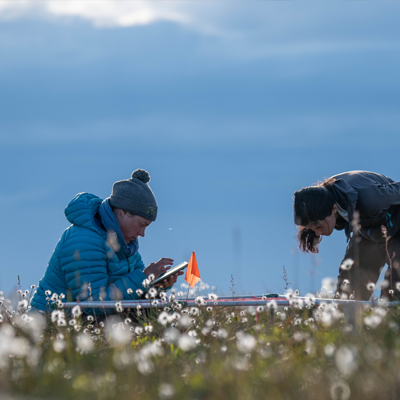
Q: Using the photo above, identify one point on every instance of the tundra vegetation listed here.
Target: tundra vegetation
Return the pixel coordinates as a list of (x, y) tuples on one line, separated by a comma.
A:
[(304, 351)]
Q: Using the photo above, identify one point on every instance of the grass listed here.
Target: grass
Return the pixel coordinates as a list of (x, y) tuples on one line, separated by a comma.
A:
[(304, 352)]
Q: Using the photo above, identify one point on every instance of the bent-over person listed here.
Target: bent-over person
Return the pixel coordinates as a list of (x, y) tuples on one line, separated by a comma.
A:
[(367, 202)]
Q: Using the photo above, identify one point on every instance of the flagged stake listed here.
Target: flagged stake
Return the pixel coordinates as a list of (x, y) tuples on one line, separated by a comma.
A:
[(192, 272)]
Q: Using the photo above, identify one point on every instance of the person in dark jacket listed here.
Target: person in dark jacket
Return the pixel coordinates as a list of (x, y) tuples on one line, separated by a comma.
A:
[(366, 205), (97, 257)]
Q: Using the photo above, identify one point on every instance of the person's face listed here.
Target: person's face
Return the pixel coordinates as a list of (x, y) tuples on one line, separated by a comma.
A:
[(131, 226), (326, 226)]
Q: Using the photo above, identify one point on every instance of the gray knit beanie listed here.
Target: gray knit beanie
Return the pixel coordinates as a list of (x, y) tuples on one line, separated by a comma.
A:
[(134, 195)]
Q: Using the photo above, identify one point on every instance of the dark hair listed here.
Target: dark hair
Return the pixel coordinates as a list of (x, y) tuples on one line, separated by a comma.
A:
[(312, 204)]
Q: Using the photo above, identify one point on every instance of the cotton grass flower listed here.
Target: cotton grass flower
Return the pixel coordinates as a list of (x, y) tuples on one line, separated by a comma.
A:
[(206, 331), (163, 318), (118, 306), (329, 349), (272, 305), (146, 283), (384, 284), (59, 303), (200, 301), (139, 292), (59, 345), (153, 292), (345, 361), (138, 330), (184, 321), (245, 342), (22, 305), (163, 297), (56, 315), (61, 322), (76, 311), (166, 390), (309, 299), (84, 343), (118, 333), (212, 296), (222, 333), (373, 321), (129, 291), (328, 287), (371, 286), (171, 335), (340, 390), (347, 264), (186, 342)]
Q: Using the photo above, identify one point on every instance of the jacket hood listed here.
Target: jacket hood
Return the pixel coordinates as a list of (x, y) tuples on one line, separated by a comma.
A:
[(347, 196), (81, 210), (344, 190)]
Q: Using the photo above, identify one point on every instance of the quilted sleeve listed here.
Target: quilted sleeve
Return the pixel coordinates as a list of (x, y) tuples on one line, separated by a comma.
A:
[(83, 259)]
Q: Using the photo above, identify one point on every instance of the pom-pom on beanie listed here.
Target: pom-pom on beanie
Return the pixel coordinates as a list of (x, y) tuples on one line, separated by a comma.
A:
[(134, 195)]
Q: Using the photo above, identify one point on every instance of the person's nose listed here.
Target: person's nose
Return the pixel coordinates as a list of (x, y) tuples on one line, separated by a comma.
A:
[(141, 232)]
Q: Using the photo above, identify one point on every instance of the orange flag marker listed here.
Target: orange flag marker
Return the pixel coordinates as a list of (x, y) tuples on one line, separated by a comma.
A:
[(192, 272)]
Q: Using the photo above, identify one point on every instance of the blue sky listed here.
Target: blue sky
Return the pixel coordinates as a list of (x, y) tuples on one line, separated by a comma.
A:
[(231, 107)]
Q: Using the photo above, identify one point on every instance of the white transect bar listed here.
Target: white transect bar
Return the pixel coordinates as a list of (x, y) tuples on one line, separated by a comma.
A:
[(209, 303), (254, 296)]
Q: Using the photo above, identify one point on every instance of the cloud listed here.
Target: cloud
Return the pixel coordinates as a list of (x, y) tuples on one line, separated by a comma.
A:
[(118, 13), (253, 30), (112, 13)]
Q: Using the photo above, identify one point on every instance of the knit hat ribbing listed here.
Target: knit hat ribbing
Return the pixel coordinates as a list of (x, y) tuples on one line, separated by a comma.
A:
[(134, 195)]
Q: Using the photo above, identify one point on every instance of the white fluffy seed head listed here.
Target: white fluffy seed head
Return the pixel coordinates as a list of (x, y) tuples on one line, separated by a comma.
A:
[(76, 311)]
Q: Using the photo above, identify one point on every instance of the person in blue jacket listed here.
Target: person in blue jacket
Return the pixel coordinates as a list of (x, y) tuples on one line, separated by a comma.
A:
[(97, 257)]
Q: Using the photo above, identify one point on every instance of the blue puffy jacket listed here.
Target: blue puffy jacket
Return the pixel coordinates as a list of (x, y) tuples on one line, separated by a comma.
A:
[(82, 256)]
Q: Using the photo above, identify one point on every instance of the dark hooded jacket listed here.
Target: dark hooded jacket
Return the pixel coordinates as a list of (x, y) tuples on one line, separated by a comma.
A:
[(376, 198)]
